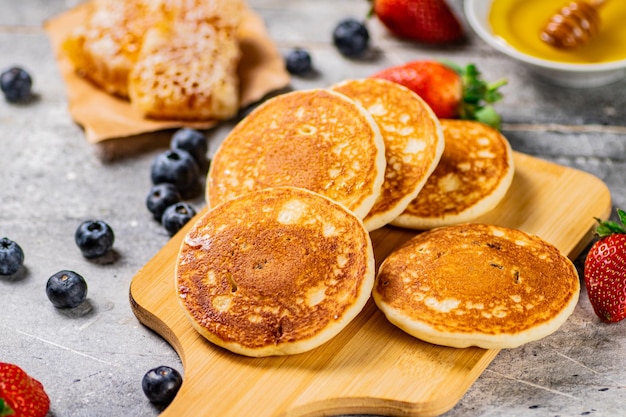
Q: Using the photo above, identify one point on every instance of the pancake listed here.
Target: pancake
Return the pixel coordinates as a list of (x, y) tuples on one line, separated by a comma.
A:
[(413, 142), (314, 139), (477, 285), (472, 177), (274, 272)]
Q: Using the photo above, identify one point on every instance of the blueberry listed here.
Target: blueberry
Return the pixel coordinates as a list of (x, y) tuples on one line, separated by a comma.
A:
[(94, 238), (16, 84), (11, 257), (351, 37), (177, 167), (194, 142), (176, 216), (161, 384), (66, 289), (160, 197), (298, 61)]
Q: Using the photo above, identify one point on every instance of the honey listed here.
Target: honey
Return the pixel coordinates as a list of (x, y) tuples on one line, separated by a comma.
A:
[(520, 22)]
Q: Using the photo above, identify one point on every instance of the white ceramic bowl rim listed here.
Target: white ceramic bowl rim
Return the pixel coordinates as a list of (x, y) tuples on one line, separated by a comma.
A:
[(480, 25)]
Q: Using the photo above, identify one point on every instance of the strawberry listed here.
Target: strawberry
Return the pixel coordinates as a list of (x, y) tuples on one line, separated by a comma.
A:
[(605, 270), (20, 394), (450, 90), (429, 21)]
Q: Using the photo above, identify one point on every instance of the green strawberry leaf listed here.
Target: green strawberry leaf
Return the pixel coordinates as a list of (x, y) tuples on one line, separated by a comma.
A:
[(478, 95), (608, 227), (489, 116), (5, 410), (493, 94)]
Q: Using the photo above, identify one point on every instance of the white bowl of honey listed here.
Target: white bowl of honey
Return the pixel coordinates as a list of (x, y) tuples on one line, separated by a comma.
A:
[(513, 27)]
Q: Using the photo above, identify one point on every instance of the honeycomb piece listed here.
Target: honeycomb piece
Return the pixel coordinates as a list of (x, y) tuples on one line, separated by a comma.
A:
[(105, 48), (187, 70), (224, 14)]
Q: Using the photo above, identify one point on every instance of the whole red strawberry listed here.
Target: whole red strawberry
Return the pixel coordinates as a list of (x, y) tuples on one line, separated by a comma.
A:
[(451, 91), (20, 394), (430, 21), (605, 271)]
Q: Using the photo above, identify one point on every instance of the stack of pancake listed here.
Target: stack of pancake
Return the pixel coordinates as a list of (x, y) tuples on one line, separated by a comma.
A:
[(282, 260), (372, 145)]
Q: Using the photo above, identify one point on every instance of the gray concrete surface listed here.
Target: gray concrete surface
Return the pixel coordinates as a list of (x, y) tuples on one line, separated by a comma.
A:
[(91, 360)]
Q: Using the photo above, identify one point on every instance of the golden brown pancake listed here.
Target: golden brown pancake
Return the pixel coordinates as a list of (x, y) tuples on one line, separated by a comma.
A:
[(274, 272), (314, 139), (472, 177), (413, 142), (477, 285)]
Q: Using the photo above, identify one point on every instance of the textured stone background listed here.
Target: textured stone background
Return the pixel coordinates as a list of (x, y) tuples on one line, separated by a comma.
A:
[(92, 360)]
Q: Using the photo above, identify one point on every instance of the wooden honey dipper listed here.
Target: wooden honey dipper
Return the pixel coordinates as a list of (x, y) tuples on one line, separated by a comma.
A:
[(573, 25)]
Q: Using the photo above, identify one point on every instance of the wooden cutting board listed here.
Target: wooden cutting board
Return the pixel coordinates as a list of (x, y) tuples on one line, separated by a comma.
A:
[(371, 367)]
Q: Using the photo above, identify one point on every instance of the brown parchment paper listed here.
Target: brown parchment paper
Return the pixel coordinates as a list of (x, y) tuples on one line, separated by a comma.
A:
[(105, 117)]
